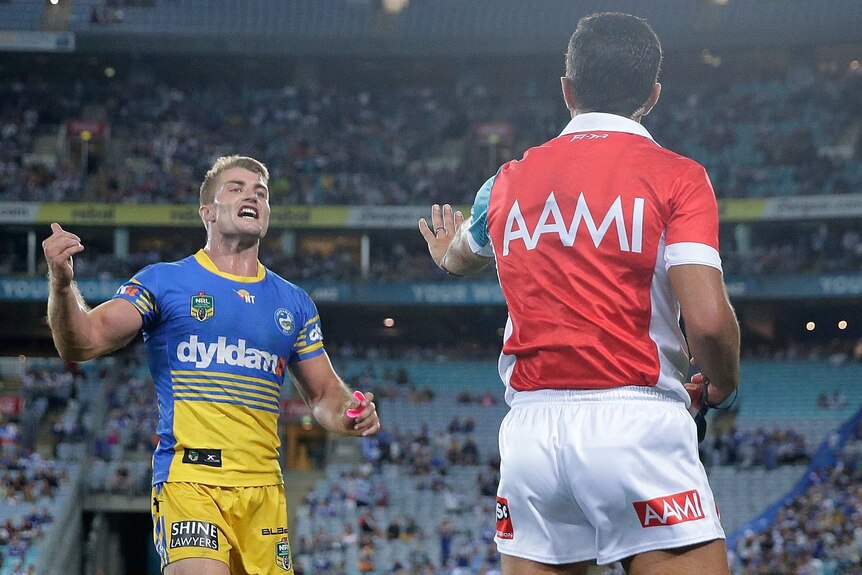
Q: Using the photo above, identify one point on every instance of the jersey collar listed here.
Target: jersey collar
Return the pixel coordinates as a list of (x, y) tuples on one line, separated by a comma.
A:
[(602, 122), (206, 262)]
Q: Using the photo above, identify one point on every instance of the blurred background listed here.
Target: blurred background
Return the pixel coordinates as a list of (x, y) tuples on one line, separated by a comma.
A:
[(367, 112)]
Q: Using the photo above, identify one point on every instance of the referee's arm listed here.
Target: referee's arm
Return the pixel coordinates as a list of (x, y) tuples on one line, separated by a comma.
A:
[(710, 324)]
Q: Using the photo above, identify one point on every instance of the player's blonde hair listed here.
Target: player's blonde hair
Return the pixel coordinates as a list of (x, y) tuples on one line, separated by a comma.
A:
[(208, 188)]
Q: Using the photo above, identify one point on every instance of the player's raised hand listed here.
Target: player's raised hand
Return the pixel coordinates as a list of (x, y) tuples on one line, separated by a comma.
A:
[(59, 248), (444, 223)]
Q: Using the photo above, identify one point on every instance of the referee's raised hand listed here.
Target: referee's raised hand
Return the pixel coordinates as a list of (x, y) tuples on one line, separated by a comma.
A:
[(444, 223)]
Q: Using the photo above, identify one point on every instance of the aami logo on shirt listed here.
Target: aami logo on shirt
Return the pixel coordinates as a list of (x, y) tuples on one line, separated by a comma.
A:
[(504, 520), (194, 534), (203, 354), (670, 509), (551, 222)]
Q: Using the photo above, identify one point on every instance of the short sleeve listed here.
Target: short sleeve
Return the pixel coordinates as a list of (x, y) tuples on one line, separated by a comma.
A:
[(309, 339), (692, 227), (478, 238), (142, 292)]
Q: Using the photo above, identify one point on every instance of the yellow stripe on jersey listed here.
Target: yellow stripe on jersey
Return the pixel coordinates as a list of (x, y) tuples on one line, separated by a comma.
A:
[(138, 307), (312, 347), (146, 294), (224, 374), (227, 384), (221, 393), (145, 303), (224, 397), (311, 321)]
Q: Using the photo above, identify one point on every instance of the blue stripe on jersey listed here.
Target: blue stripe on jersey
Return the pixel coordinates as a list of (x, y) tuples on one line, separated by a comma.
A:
[(479, 213), (249, 386), (215, 394), (164, 453), (193, 386), (214, 400)]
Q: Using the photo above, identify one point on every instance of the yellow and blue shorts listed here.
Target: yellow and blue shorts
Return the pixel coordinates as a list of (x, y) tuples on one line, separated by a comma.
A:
[(243, 527)]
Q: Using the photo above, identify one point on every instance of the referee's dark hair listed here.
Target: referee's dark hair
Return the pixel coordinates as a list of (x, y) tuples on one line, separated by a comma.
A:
[(613, 63)]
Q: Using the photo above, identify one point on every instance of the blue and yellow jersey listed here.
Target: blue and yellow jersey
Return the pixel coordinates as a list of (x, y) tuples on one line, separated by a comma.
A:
[(218, 346)]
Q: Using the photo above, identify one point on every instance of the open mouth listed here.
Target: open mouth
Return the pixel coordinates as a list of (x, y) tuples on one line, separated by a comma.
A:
[(248, 212)]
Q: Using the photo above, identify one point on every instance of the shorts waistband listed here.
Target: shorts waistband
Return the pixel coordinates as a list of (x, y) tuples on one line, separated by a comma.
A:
[(627, 393)]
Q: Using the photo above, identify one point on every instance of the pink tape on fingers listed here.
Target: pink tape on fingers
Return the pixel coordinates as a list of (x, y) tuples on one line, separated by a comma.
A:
[(356, 411)]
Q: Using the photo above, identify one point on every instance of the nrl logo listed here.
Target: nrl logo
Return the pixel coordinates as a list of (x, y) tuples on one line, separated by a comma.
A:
[(282, 554), (203, 306)]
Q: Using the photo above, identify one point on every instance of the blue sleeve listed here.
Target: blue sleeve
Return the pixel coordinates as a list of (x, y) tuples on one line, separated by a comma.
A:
[(142, 292), (309, 340), (480, 241)]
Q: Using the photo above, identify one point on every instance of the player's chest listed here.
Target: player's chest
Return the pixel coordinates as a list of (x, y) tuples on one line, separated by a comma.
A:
[(253, 312)]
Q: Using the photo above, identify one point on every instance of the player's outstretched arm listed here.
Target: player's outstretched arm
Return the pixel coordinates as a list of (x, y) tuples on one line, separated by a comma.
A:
[(81, 333), (329, 399), (711, 326), (448, 244)]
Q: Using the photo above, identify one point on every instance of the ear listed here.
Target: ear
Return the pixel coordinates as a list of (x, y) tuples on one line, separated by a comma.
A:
[(207, 213), (568, 94), (653, 99)]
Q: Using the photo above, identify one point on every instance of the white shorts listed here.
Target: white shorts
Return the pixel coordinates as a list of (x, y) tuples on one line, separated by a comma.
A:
[(600, 475)]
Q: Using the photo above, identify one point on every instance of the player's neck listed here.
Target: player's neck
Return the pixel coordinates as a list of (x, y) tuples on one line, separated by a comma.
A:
[(233, 257)]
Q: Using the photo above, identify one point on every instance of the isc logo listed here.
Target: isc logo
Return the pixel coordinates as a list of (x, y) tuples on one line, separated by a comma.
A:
[(670, 509), (504, 521)]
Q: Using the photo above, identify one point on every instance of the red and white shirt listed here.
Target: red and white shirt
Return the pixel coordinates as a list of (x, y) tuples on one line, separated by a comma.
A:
[(583, 230)]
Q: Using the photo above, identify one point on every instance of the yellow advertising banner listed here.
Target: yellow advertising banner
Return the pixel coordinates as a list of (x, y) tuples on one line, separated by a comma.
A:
[(183, 216), (382, 217), (745, 210)]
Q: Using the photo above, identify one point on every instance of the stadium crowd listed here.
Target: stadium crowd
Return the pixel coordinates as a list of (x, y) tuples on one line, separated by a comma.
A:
[(818, 532), (30, 485), (758, 448), (361, 519), (370, 142)]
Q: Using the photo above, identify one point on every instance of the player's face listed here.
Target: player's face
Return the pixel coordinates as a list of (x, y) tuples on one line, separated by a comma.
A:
[(241, 204)]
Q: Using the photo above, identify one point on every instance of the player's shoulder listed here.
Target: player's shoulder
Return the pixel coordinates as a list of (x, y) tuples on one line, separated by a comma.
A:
[(285, 286), (162, 269)]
